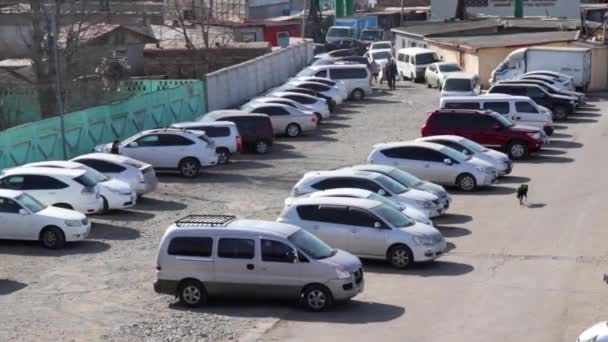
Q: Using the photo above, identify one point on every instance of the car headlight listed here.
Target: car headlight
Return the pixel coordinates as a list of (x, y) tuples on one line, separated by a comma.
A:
[(424, 204), (483, 169), (535, 135), (342, 272), (73, 223), (423, 240)]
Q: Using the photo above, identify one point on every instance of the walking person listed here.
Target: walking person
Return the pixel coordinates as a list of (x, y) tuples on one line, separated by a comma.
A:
[(391, 73), (386, 75), (374, 68)]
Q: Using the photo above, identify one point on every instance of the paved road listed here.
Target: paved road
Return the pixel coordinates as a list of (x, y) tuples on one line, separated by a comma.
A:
[(514, 274)]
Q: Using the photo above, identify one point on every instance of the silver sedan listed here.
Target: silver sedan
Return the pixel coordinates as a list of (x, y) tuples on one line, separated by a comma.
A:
[(285, 119)]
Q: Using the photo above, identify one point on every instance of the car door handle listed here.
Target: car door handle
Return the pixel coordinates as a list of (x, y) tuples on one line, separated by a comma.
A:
[(250, 267)]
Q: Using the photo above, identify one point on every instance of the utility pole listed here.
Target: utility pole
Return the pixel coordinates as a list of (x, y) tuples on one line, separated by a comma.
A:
[(402, 10), (53, 25), (304, 18)]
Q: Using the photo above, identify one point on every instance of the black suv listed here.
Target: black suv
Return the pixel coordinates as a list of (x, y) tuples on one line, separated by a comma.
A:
[(560, 105)]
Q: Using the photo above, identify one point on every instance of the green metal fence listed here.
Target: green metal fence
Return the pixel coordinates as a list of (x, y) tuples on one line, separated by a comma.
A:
[(155, 107)]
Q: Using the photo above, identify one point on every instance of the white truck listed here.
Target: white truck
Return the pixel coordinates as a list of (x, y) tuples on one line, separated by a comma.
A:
[(571, 61)]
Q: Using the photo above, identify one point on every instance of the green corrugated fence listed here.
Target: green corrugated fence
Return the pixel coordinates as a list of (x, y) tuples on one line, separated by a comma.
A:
[(84, 129)]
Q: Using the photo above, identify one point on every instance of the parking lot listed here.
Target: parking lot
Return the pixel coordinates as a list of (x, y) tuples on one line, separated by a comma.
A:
[(513, 273)]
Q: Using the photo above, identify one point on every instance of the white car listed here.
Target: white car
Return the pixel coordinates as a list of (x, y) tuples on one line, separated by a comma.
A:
[(564, 80), (409, 181), (597, 333), (375, 182), (68, 189), (291, 103), (381, 57), (25, 218), (498, 160), (225, 135), (436, 163), (436, 73), (115, 193), (140, 176), (285, 119), (413, 213), (169, 149), (317, 104), (333, 92), (366, 228), (382, 45), (334, 83)]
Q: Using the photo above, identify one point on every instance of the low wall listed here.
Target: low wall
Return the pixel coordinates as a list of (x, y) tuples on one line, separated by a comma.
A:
[(232, 86), (42, 140)]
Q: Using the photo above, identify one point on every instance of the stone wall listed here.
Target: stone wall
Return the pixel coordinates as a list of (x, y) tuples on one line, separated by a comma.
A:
[(194, 64)]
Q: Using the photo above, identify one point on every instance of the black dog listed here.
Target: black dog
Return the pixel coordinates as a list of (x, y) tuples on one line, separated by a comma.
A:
[(522, 194)]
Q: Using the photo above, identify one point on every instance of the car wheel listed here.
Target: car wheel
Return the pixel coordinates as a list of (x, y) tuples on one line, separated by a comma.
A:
[(332, 106), (428, 85), (466, 182), (438, 85), (52, 238), (63, 205), (261, 147), (412, 77), (293, 130), (400, 256), (189, 167), (357, 95), (402, 76), (223, 155), (317, 298), (560, 113), (517, 150), (192, 293)]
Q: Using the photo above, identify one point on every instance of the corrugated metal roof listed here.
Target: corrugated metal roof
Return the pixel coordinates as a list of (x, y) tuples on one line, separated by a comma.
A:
[(427, 28), (506, 40)]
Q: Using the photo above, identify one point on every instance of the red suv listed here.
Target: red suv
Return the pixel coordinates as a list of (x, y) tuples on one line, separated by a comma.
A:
[(487, 128)]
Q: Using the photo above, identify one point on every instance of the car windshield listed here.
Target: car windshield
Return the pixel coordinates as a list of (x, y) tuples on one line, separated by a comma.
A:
[(449, 67), (86, 180), (338, 32), (381, 55), (473, 146), (311, 245), (452, 153), (391, 185), (94, 174), (393, 216), (30, 203), (371, 35), (503, 120), (379, 46), (384, 200), (404, 178), (426, 58), (457, 84), (305, 72)]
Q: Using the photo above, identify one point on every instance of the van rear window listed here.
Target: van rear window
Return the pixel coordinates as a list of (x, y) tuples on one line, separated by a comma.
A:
[(191, 246)]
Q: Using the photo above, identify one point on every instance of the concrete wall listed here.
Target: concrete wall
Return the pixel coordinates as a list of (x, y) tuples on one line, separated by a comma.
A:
[(232, 86), (599, 68)]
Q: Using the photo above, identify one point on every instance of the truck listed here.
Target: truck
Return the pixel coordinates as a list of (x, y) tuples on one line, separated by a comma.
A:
[(572, 61), (350, 28)]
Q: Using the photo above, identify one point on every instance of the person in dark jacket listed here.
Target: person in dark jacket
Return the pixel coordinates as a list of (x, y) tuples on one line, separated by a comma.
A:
[(114, 149), (390, 72)]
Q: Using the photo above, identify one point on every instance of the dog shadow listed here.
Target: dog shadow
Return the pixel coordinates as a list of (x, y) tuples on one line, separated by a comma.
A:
[(535, 205)]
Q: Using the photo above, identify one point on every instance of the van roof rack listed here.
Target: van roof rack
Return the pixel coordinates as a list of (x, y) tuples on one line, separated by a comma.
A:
[(205, 220)]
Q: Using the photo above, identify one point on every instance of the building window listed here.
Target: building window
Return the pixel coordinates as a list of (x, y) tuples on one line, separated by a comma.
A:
[(188, 14)]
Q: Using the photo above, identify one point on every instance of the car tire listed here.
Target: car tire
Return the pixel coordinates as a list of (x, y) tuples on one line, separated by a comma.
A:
[(357, 95), (52, 238), (560, 113), (412, 78), (317, 298), (223, 155), (332, 106), (403, 78), (438, 85), (261, 147), (192, 293), (400, 257), (517, 150), (189, 167), (293, 130), (466, 182), (63, 206), (428, 85)]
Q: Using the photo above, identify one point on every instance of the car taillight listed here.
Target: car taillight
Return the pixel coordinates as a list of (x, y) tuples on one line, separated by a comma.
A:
[(238, 142)]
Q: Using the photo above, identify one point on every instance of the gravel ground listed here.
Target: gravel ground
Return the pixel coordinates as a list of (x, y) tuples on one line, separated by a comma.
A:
[(101, 288)]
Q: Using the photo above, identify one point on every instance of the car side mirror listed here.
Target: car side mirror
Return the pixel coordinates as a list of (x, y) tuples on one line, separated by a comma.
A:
[(23, 212), (382, 192), (377, 225), (133, 144), (447, 161)]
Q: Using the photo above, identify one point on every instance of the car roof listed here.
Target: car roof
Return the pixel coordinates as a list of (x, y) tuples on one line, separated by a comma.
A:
[(294, 93), (48, 171), (255, 104), (373, 168), (65, 164), (116, 158), (460, 74), (336, 66), (446, 63), (240, 225), (237, 114), (9, 193), (523, 84), (340, 173), (415, 50), (461, 111), (344, 201), (383, 42), (203, 124), (484, 97), (454, 138), (172, 130), (342, 192), (424, 144)]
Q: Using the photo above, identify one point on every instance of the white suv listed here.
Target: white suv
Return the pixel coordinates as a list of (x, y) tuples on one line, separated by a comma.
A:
[(225, 135), (115, 193), (375, 182), (69, 189), (436, 163), (169, 149), (366, 228), (25, 218)]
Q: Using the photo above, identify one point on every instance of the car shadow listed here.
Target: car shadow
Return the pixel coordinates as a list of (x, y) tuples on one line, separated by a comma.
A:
[(155, 204), (564, 144), (586, 114), (588, 109), (452, 219), (371, 100), (321, 134), (334, 117), (452, 232), (487, 190), (559, 127), (124, 215), (560, 135), (575, 120), (242, 164), (341, 111), (549, 152), (8, 286), (513, 180), (104, 231), (436, 268), (545, 159), (33, 248), (349, 312)]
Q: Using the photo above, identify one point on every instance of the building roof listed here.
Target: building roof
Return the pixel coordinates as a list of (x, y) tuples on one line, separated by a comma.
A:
[(88, 32), (428, 28), (475, 43)]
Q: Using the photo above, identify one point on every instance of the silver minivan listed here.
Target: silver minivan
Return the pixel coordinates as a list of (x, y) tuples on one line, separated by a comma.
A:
[(201, 256)]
